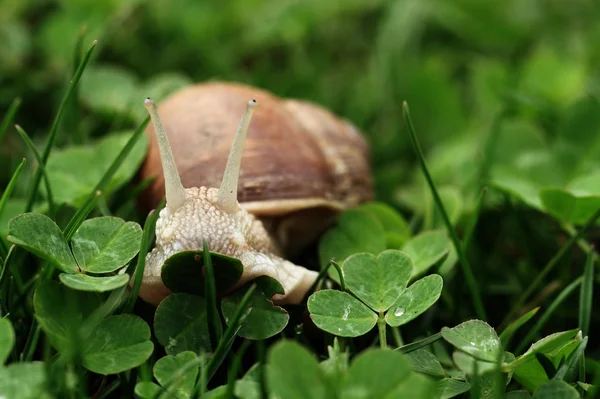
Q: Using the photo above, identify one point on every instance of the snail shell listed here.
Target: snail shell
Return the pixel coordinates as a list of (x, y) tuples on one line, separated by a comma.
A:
[(300, 167)]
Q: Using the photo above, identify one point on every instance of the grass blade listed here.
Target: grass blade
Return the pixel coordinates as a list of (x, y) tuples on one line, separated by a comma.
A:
[(340, 274), (550, 266), (547, 314), (8, 118), (508, 333), (571, 360), (586, 296), (419, 344), (147, 238), (235, 369), (11, 186), (81, 215), (6, 195), (41, 166), (585, 304), (229, 335), (3, 287), (215, 329), (466, 267), (54, 128)]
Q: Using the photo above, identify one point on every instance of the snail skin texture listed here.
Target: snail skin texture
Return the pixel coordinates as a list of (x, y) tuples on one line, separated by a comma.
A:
[(194, 215)]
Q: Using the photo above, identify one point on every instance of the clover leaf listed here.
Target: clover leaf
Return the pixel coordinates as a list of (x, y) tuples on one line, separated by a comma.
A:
[(100, 245), (181, 324), (340, 313), (169, 373), (356, 231), (427, 249), (184, 272), (7, 339), (379, 284), (476, 338), (377, 280), (116, 344), (83, 282), (265, 318), (39, 235), (415, 300), (105, 244)]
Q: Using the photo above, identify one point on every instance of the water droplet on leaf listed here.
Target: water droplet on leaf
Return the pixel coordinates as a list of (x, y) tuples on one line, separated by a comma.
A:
[(399, 311)]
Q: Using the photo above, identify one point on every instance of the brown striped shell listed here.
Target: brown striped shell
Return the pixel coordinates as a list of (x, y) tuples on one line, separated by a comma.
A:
[(301, 164)]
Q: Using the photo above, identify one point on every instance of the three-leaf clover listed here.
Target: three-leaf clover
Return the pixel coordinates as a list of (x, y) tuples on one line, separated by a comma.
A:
[(379, 285), (99, 246)]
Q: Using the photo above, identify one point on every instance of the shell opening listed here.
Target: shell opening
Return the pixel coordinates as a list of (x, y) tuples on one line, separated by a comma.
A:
[(227, 195), (174, 191)]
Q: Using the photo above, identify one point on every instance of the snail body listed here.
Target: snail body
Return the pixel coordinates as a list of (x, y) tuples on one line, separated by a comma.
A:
[(301, 166)]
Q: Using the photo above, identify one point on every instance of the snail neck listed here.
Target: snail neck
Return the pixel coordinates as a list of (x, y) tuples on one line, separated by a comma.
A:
[(227, 194)]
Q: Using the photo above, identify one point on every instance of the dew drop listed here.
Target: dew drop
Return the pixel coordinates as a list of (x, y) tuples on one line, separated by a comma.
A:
[(472, 343), (399, 311)]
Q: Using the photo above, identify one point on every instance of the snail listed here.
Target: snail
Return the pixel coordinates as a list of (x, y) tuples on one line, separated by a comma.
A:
[(301, 167)]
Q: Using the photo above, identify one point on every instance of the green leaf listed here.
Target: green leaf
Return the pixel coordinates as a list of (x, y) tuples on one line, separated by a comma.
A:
[(556, 389), (426, 250), (24, 381), (397, 231), (116, 344), (293, 373), (104, 244), (571, 360), (515, 325), (168, 367), (7, 339), (159, 87), (107, 89), (449, 387), (148, 390), (527, 369), (476, 338), (83, 282), (547, 344), (375, 373), (568, 207), (356, 231), (180, 324), (265, 320), (549, 75), (184, 272), (377, 280), (340, 313), (425, 362), (38, 234), (73, 179), (62, 312), (415, 300)]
